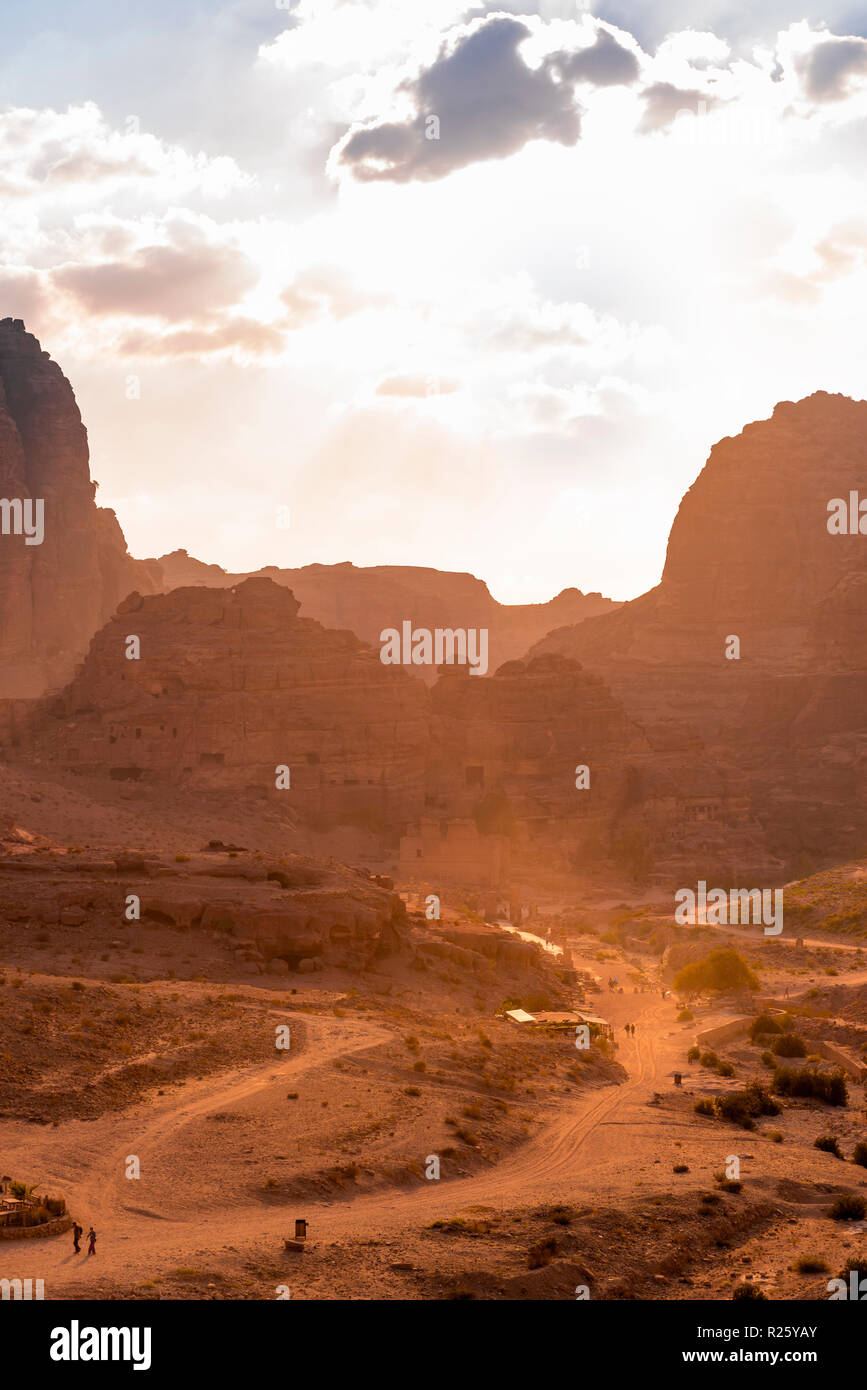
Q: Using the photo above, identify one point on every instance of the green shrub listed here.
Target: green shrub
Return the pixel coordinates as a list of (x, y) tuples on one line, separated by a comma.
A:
[(789, 1045), (827, 1086), (704, 1107), (693, 1054), (760, 1099), (542, 1253), (811, 1264), (723, 970), (859, 1154), (850, 1207), (748, 1291), (763, 1024), (735, 1107), (828, 1144), (685, 1016)]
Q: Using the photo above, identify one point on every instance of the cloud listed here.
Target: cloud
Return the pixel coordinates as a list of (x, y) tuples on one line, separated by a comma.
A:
[(163, 281), (22, 295), (828, 69), (663, 102), (243, 335), (325, 292), (477, 100), (839, 254), (63, 152), (605, 63), (417, 386)]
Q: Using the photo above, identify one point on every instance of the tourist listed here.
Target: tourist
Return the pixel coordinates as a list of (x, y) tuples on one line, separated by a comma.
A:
[(91, 1241), (77, 1233)]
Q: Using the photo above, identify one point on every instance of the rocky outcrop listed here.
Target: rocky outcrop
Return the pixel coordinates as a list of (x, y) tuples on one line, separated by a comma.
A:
[(231, 685), (270, 913), (750, 557), (54, 595), (368, 600), (522, 736)]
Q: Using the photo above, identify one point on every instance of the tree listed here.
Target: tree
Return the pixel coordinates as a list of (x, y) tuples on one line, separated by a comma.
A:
[(723, 970)]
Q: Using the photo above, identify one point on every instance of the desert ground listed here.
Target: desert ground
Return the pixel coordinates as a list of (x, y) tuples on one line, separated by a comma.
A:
[(559, 1171)]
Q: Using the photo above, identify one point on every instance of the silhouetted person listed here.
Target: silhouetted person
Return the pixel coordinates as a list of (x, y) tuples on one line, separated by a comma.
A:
[(77, 1233), (91, 1241)]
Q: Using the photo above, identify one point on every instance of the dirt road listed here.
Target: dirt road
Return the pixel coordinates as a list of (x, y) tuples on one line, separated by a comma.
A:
[(596, 1147)]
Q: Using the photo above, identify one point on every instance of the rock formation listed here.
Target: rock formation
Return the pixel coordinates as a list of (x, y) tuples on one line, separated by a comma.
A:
[(53, 595), (367, 600), (750, 557), (293, 912), (230, 685)]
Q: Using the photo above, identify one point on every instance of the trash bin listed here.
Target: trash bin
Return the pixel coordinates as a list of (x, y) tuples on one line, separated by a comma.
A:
[(300, 1230), (678, 1078)]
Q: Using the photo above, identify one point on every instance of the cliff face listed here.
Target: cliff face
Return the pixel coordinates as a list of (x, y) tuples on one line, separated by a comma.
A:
[(231, 684), (750, 556), (55, 594), (367, 600), (523, 734)]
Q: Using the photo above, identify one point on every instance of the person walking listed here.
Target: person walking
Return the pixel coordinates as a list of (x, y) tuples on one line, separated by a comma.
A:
[(77, 1233), (91, 1241)]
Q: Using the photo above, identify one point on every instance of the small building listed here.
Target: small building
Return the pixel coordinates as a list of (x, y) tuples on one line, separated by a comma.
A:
[(564, 1020)]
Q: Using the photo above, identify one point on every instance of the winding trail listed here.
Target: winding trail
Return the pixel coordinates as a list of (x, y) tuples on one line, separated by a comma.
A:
[(573, 1158)]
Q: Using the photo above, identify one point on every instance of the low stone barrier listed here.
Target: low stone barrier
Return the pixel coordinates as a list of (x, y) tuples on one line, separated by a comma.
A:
[(724, 1031), (48, 1228), (836, 1052)]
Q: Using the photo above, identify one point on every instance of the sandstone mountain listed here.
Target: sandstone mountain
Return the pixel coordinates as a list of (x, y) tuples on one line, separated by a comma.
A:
[(750, 557), (698, 764), (230, 685), (371, 598), (53, 595)]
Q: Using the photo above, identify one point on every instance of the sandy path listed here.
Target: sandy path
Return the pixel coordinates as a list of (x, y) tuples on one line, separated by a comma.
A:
[(86, 1160), (578, 1156)]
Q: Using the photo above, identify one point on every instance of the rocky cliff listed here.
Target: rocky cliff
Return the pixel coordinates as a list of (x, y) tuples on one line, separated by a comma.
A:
[(367, 600), (751, 557), (222, 687), (231, 684), (56, 592)]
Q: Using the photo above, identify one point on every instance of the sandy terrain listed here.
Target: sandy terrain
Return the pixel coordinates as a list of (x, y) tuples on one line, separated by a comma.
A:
[(188, 1226)]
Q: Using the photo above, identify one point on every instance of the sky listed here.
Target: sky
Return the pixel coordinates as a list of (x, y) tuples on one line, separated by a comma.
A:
[(398, 283)]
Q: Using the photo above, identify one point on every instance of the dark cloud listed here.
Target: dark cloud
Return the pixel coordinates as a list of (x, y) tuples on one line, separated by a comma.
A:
[(170, 282), (663, 101), (487, 101), (606, 63), (828, 68)]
